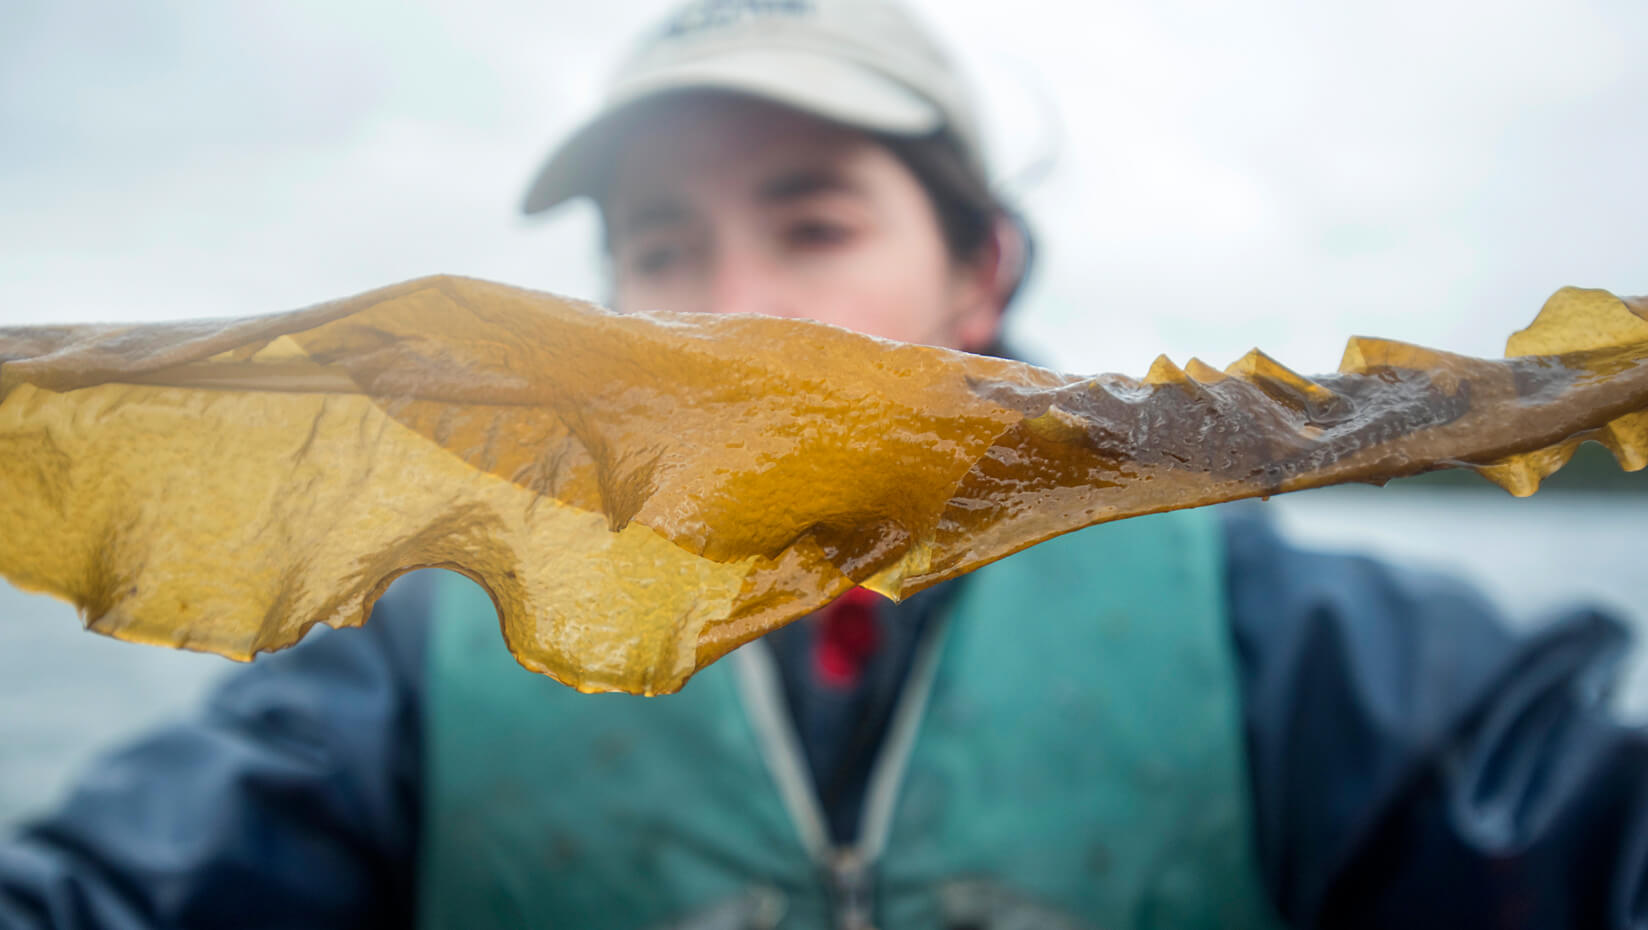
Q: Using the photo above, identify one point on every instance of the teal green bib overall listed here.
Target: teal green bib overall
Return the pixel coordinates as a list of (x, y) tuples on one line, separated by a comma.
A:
[(1068, 743)]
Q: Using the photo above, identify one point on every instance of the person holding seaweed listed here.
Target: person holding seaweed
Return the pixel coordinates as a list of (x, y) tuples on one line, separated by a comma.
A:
[(1170, 721)]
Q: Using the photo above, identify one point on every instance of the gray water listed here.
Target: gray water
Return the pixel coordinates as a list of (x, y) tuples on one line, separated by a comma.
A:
[(66, 695)]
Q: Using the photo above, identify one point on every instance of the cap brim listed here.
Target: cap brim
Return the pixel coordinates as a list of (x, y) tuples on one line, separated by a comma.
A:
[(831, 88)]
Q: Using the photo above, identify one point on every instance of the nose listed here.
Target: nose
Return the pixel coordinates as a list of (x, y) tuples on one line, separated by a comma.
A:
[(744, 279)]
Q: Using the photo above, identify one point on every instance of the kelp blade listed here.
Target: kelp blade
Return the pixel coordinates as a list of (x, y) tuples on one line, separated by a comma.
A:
[(640, 494)]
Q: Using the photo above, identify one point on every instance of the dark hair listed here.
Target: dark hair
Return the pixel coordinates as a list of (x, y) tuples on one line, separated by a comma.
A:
[(967, 208)]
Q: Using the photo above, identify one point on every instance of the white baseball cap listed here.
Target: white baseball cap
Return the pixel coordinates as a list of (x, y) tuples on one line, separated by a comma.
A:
[(861, 63)]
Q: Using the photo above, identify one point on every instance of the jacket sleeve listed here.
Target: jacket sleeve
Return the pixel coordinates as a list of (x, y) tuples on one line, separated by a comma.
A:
[(1415, 764), (292, 801)]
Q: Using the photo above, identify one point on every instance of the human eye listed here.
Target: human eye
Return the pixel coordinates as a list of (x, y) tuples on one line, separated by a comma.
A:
[(654, 259), (817, 232)]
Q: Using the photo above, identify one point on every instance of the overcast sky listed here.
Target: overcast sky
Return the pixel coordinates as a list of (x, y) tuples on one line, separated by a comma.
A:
[(1263, 172)]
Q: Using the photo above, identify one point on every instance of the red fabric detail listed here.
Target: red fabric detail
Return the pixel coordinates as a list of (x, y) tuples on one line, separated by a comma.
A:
[(848, 635)]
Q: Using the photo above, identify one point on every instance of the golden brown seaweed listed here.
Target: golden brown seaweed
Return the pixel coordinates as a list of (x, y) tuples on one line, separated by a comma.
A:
[(642, 493)]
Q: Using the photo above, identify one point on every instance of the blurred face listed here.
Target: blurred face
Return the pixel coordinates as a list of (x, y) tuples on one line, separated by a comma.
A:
[(727, 205)]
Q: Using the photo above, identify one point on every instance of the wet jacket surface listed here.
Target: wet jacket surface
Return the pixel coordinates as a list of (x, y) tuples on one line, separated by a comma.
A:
[(1411, 763)]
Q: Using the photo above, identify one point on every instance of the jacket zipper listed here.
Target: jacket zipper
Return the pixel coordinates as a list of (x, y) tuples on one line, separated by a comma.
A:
[(849, 869)]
